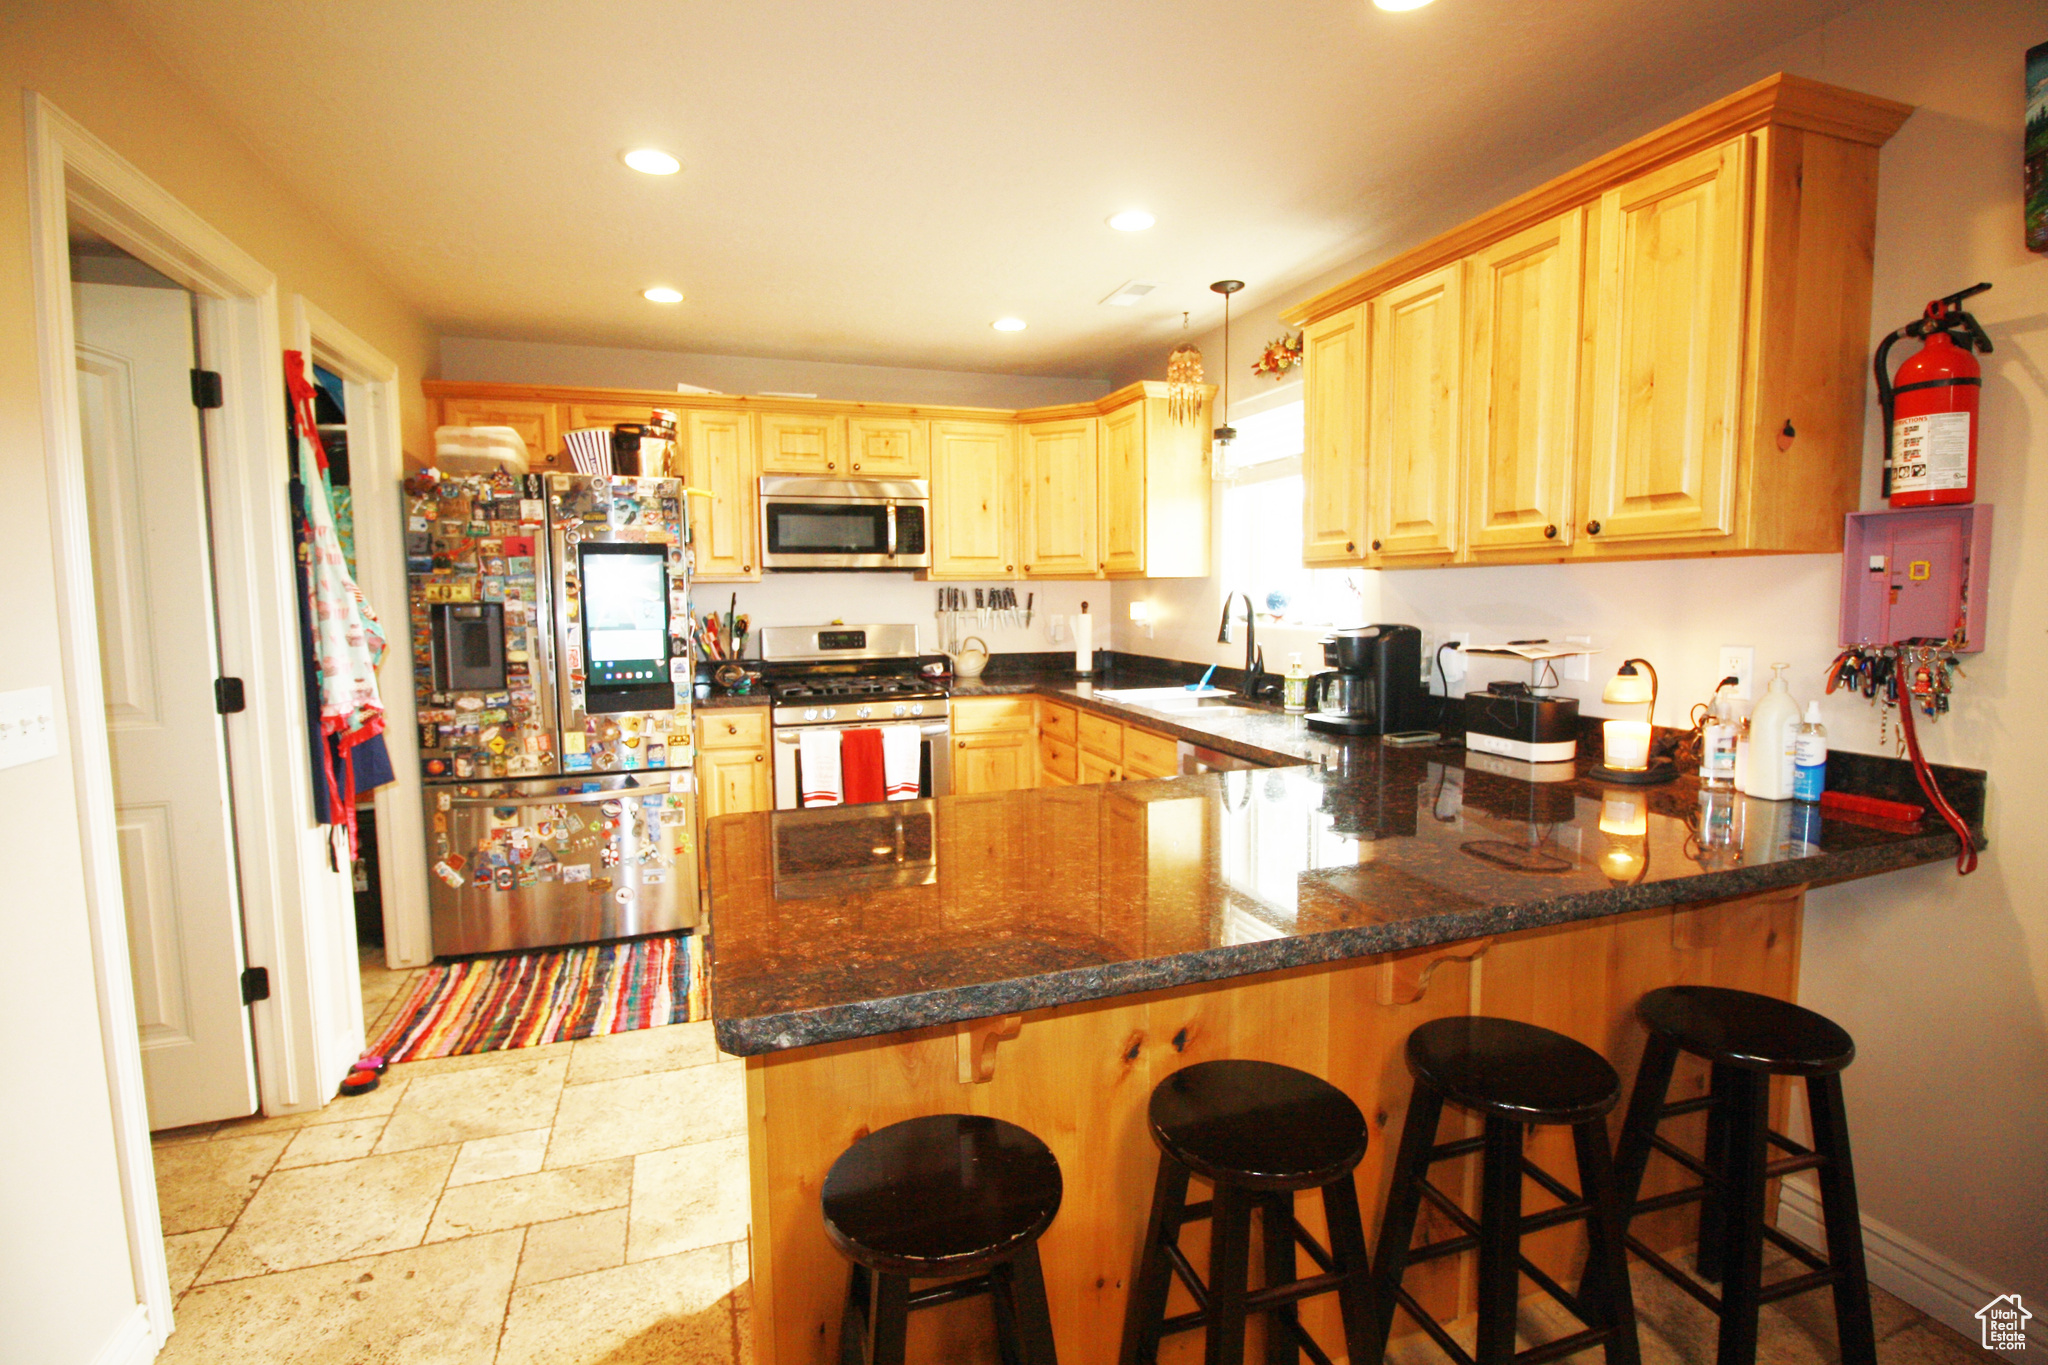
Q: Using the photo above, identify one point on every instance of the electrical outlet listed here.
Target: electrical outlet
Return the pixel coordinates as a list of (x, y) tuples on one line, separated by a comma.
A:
[(28, 726), (1454, 659), (1737, 662), (1579, 667)]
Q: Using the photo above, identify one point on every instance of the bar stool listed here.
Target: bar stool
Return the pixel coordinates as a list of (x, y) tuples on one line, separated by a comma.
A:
[(935, 1198), (1260, 1133), (1515, 1076), (1748, 1039)]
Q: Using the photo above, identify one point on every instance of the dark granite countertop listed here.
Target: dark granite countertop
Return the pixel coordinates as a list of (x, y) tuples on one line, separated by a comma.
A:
[(726, 701), (865, 920)]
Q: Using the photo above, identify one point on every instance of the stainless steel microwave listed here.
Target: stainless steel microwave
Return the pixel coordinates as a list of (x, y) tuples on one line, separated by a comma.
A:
[(845, 523)]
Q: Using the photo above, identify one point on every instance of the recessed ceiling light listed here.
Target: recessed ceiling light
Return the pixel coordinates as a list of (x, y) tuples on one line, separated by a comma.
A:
[(661, 293), (648, 161), (1134, 220), (1400, 4), (1008, 324)]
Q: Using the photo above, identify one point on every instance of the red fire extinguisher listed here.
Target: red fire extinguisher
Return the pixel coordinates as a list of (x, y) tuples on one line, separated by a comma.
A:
[(1930, 406)]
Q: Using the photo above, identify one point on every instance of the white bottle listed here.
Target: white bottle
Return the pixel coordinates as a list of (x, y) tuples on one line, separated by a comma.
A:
[(1296, 688), (1810, 757), (1717, 742), (1773, 727)]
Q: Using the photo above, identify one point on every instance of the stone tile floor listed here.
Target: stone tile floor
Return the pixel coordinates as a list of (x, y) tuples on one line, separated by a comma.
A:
[(586, 1204)]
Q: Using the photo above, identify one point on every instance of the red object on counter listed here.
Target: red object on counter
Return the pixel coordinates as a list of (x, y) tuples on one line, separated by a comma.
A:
[(1873, 805), (860, 767)]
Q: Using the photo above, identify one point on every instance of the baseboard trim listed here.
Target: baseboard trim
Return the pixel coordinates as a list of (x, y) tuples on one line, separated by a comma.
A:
[(132, 1342), (1949, 1293)]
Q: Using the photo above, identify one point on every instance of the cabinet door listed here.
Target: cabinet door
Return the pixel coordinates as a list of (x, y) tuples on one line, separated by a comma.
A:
[(536, 423), (1059, 499), (732, 781), (1333, 452), (576, 416), (1120, 491), (993, 763), (886, 447), (1412, 453), (1095, 769), (797, 443), (1522, 386), (1667, 350), (719, 450), (974, 500)]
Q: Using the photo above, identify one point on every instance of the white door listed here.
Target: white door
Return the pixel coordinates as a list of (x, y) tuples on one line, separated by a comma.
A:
[(153, 581)]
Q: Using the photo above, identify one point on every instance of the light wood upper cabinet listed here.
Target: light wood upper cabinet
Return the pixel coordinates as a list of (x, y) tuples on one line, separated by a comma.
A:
[(718, 451), (1667, 349), (1333, 452), (1522, 386), (886, 447), (801, 443), (1059, 499), (1153, 492), (1120, 491), (1661, 353), (537, 423), (1413, 455), (974, 500)]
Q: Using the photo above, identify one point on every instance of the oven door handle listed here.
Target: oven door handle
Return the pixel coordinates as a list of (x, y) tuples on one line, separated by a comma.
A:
[(928, 729)]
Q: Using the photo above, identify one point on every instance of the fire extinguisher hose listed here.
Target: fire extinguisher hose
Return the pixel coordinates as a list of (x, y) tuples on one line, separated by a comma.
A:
[(1966, 859)]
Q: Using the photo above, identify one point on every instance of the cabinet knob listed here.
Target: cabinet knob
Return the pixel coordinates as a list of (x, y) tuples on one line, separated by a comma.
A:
[(1592, 528), (760, 758), (732, 729), (1550, 532), (746, 568), (961, 743), (1009, 568), (856, 464), (1350, 547), (1375, 545), (831, 464)]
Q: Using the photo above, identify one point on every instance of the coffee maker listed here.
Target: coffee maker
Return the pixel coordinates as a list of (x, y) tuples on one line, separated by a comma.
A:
[(1375, 687)]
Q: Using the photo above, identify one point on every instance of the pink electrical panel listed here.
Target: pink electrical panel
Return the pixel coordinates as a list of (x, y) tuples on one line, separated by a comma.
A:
[(1917, 573)]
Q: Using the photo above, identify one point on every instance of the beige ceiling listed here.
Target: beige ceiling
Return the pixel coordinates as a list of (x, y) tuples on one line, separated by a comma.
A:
[(876, 181)]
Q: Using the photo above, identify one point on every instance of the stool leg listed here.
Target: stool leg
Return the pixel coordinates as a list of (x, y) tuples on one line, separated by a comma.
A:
[(853, 1323), (1347, 1249), (1002, 1297), (1714, 1204), (1653, 1086), (1276, 1238), (1146, 1308), (1853, 1327), (1615, 1303), (1500, 1240), (1230, 1247), (1404, 1201), (1034, 1316), (1742, 1267)]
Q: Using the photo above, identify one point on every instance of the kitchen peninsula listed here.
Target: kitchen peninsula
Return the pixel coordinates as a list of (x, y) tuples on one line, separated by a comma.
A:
[(1047, 956)]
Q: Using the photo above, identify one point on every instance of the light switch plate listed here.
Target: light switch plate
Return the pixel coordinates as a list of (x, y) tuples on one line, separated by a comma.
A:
[(28, 726)]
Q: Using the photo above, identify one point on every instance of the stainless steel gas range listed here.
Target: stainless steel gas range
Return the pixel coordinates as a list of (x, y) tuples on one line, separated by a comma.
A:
[(838, 678)]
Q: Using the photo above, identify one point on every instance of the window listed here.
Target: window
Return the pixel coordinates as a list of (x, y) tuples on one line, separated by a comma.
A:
[(1261, 527)]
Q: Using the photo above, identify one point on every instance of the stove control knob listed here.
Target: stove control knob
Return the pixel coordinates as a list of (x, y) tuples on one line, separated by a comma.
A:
[(901, 709), (830, 712), (810, 713), (864, 712), (917, 708)]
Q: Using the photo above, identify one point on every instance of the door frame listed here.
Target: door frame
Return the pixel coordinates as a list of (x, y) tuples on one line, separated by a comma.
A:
[(377, 467), (280, 852)]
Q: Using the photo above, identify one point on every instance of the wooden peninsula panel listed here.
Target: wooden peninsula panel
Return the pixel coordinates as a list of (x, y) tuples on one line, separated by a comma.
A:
[(1079, 1077)]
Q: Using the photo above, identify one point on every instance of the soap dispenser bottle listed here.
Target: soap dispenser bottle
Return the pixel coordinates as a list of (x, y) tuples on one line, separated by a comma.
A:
[(1296, 688), (1773, 731)]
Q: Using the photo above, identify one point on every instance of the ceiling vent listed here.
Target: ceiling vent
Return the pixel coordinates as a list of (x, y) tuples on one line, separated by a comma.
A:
[(1129, 294)]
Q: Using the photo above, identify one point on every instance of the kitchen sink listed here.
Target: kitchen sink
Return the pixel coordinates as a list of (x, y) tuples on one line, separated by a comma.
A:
[(1165, 698)]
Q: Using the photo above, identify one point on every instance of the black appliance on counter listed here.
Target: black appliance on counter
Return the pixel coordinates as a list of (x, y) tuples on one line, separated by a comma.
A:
[(1375, 687)]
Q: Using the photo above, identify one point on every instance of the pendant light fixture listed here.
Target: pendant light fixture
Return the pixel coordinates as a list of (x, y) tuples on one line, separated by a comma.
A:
[(1184, 379), (1226, 433)]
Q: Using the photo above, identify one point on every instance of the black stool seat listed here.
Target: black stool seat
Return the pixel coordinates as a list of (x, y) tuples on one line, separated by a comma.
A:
[(1515, 1070), (1755, 1032), (943, 1195), (1257, 1125)]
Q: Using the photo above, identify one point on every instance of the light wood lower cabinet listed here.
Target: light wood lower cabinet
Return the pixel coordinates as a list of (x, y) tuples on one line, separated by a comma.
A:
[(995, 744), (734, 773)]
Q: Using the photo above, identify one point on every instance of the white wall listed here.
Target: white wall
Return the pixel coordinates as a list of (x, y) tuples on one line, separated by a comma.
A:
[(475, 360), (810, 599), (1941, 981)]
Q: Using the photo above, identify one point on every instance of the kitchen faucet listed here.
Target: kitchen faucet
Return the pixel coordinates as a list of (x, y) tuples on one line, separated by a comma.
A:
[(1254, 657)]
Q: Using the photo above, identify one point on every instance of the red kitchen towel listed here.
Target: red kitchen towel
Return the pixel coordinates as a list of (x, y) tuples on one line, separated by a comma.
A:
[(860, 766)]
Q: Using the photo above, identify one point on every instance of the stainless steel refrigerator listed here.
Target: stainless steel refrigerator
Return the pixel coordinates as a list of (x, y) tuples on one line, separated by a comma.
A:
[(551, 659)]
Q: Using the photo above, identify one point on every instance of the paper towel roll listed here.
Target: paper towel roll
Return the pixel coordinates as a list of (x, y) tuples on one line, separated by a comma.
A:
[(1084, 642)]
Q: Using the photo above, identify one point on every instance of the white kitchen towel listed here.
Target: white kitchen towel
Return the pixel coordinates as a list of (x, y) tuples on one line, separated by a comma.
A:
[(902, 748), (817, 767)]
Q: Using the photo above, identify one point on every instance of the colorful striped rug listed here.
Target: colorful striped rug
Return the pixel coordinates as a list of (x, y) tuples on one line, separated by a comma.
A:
[(494, 1003)]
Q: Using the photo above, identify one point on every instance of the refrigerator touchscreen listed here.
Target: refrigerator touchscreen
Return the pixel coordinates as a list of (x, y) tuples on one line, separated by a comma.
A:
[(625, 613)]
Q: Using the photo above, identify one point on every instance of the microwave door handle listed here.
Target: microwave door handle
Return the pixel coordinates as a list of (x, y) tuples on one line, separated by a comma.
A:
[(892, 528)]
